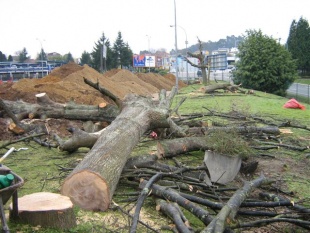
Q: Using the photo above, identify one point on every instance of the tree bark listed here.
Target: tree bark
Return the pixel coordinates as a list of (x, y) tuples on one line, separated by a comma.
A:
[(238, 129), (174, 147), (173, 211), (212, 88), (79, 139), (173, 196), (92, 183), (46, 108), (218, 224)]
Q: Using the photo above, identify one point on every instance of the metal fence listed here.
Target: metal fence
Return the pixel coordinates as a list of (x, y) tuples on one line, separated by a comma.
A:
[(300, 91), (219, 75)]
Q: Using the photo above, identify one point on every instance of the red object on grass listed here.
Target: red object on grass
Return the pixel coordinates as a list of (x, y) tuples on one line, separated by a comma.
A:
[(153, 135), (292, 103)]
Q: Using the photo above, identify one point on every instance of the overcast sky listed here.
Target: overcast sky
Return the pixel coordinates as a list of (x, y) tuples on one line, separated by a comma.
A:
[(75, 25)]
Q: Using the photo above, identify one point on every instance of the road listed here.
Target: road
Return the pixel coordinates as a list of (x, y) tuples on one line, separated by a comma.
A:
[(300, 89)]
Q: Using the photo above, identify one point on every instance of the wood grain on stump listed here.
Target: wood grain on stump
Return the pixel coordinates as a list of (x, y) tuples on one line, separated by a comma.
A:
[(46, 209)]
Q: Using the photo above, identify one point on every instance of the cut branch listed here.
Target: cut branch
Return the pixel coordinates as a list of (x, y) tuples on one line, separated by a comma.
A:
[(231, 208)]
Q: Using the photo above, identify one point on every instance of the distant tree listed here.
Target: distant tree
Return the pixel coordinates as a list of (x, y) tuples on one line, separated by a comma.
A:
[(68, 57), (97, 61), (10, 58), (229, 42), (42, 55), (85, 58), (203, 65), (2, 57), (142, 52), (22, 56), (264, 64), (298, 43), (55, 58), (122, 54)]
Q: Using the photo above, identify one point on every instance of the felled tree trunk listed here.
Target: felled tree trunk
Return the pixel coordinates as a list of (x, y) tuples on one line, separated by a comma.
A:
[(238, 129), (46, 108), (171, 148), (225, 86), (92, 183), (45, 209)]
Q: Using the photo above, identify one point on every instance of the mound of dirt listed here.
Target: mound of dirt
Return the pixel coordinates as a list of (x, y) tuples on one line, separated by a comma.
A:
[(66, 83)]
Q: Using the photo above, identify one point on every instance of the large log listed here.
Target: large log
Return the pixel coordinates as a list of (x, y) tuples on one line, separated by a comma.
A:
[(46, 108), (174, 147), (92, 183), (239, 129)]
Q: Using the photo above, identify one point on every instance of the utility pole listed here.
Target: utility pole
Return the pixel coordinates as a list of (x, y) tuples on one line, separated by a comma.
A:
[(101, 58), (41, 57), (186, 42), (149, 37), (176, 49)]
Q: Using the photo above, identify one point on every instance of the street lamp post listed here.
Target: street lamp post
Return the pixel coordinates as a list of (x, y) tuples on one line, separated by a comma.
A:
[(148, 40), (186, 42), (176, 48), (41, 57)]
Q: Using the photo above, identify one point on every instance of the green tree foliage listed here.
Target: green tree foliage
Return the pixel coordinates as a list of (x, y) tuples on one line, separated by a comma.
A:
[(22, 56), (122, 54), (10, 58), (264, 64), (229, 42), (56, 57), (298, 43), (42, 55), (97, 53), (85, 58), (68, 57), (2, 57)]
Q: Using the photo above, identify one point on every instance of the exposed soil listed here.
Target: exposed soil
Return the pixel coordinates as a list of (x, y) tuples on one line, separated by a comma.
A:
[(66, 83)]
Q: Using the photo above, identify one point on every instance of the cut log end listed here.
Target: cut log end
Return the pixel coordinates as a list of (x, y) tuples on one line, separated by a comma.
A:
[(102, 105), (87, 190), (16, 129)]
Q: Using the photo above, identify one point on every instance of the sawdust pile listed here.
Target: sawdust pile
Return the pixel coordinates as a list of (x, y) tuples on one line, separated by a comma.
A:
[(66, 83)]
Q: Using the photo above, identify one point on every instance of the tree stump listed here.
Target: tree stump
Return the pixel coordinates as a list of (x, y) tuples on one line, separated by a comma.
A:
[(46, 209)]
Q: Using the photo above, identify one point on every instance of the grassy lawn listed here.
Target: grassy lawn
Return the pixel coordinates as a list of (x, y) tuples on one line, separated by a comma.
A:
[(258, 104), (303, 81)]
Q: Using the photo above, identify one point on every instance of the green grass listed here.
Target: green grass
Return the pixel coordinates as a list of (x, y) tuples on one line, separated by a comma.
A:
[(258, 104), (303, 81)]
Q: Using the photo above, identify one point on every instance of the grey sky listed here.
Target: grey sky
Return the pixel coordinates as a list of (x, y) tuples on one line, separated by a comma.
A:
[(75, 25)]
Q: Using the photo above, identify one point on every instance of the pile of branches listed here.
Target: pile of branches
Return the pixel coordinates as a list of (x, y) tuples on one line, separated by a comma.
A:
[(220, 209)]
